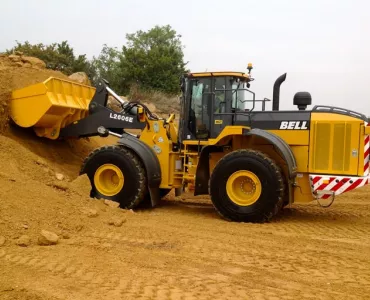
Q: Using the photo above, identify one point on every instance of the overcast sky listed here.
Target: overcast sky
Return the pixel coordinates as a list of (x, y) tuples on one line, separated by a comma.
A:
[(324, 46)]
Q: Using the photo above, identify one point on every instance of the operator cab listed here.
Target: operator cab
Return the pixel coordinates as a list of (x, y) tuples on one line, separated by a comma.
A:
[(210, 100)]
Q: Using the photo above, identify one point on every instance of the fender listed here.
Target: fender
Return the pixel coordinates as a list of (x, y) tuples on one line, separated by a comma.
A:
[(281, 146), (202, 173), (285, 151), (150, 161)]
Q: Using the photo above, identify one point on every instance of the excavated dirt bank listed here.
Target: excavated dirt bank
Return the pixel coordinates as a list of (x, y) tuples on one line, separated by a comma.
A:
[(179, 250)]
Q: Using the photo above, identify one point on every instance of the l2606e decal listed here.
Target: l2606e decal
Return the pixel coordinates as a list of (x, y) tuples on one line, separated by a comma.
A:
[(293, 125), (121, 117)]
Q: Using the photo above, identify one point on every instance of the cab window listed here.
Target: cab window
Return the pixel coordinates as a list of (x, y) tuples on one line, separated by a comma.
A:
[(199, 118)]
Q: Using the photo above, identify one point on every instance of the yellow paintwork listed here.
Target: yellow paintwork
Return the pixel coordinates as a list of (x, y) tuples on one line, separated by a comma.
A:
[(333, 139), (302, 143), (302, 190), (108, 180), (301, 155), (215, 74), (367, 130), (243, 188), (227, 133), (171, 118), (50, 105), (192, 142), (156, 138), (361, 153), (191, 162), (172, 130), (141, 114)]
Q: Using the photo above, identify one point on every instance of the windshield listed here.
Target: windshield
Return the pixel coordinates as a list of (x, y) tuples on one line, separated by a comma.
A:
[(239, 95)]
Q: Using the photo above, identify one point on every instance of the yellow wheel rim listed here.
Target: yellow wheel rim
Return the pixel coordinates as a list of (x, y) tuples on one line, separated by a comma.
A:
[(108, 180), (243, 188)]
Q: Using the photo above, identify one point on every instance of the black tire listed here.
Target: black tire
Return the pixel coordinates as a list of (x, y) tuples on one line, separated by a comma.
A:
[(272, 187), (135, 182)]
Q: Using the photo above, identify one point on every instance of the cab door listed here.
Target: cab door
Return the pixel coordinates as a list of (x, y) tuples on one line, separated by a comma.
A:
[(200, 113), (221, 104)]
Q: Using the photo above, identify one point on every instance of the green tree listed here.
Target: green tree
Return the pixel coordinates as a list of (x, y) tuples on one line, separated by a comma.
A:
[(153, 59), (57, 56), (107, 66)]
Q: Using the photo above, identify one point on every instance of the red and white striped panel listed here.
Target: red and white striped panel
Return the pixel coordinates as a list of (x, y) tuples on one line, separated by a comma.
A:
[(327, 184), (366, 153)]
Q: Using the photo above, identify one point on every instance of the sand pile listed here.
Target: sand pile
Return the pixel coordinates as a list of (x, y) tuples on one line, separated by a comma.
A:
[(41, 190), (39, 184)]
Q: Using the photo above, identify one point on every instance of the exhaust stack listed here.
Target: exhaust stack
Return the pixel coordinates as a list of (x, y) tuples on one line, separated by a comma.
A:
[(276, 92)]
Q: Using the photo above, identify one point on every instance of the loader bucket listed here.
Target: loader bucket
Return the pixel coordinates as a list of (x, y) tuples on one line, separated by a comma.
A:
[(50, 105)]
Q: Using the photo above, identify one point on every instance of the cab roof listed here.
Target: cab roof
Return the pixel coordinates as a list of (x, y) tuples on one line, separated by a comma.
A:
[(220, 73)]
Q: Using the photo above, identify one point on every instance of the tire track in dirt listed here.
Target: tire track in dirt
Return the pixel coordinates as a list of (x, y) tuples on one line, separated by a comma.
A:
[(216, 269), (307, 221), (212, 259), (72, 269), (227, 255), (95, 284)]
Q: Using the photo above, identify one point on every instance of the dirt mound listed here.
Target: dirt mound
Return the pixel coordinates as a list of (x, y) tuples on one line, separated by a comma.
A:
[(38, 175), (80, 77), (19, 60), (18, 72), (34, 196)]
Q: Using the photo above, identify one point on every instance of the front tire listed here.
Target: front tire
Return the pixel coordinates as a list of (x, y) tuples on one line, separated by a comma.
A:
[(247, 186), (117, 174)]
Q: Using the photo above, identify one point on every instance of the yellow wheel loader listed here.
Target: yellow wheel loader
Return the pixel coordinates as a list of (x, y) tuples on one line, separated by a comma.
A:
[(251, 162)]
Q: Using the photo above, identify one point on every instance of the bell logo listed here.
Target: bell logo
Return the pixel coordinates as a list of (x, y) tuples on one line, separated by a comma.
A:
[(293, 125)]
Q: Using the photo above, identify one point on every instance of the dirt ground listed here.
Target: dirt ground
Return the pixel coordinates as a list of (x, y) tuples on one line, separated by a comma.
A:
[(179, 250)]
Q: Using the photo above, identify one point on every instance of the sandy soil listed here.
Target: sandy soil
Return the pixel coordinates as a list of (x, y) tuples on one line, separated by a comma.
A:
[(179, 250)]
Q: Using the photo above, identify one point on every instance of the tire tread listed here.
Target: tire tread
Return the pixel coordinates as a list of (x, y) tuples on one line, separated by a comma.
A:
[(277, 171), (129, 154)]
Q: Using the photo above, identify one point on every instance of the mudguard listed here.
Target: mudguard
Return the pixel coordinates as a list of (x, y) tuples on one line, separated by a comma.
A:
[(281, 146), (284, 150), (150, 161), (202, 173)]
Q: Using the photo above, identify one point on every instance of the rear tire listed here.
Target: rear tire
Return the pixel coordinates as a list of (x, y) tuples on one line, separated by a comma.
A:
[(118, 162), (247, 186)]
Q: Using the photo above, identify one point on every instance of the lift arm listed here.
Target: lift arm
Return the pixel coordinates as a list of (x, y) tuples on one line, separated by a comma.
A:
[(100, 116)]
